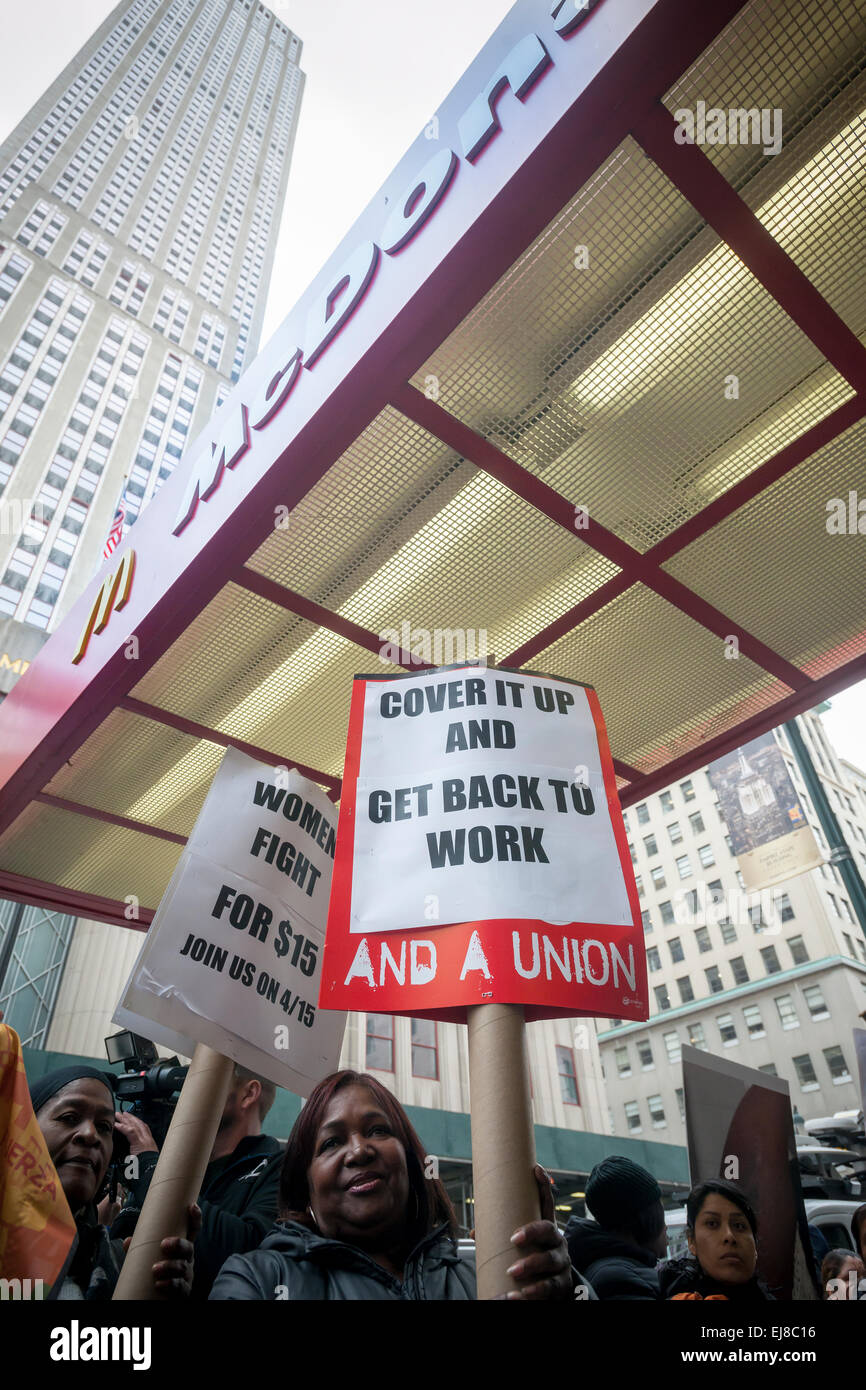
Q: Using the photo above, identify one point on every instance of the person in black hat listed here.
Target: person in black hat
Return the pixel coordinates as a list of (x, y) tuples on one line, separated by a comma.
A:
[(618, 1251), (74, 1108)]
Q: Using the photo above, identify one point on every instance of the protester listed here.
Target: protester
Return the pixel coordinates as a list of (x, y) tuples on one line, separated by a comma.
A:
[(836, 1269), (722, 1234), (362, 1220), (239, 1192), (74, 1108), (619, 1251)]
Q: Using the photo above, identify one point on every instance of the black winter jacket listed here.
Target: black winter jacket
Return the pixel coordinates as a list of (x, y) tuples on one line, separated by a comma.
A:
[(239, 1199), (683, 1275), (614, 1268), (296, 1263)]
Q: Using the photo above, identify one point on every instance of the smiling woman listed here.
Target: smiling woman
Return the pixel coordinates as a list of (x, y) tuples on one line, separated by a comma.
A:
[(364, 1217)]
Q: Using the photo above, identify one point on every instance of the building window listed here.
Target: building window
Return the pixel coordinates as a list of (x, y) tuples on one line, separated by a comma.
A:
[(816, 1002), (684, 985), (662, 998), (667, 912), (787, 1011), (783, 906), (849, 944), (681, 1102), (729, 933), (696, 1036), (667, 802), (675, 946), (647, 924), (805, 1072), (642, 813), (684, 868), (425, 1051), (658, 877), (706, 856), (380, 1042), (567, 1076), (702, 937), (638, 883), (675, 832), (834, 905), (836, 1062), (696, 821), (754, 1022), (727, 1030), (769, 1069), (656, 1110), (687, 790), (649, 842), (632, 1115), (633, 852), (653, 959), (797, 946), (29, 990), (770, 959), (714, 979), (645, 1054), (673, 1047), (621, 1057)]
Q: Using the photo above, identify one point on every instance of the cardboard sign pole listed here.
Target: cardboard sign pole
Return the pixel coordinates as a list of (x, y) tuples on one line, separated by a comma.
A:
[(503, 1143), (178, 1176)]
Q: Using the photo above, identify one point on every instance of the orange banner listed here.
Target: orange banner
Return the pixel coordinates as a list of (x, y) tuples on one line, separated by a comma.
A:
[(36, 1225)]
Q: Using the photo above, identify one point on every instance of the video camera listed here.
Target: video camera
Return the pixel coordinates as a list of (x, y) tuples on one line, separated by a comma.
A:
[(149, 1084)]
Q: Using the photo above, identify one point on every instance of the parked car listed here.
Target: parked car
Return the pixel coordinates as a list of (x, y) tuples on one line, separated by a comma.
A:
[(827, 1172)]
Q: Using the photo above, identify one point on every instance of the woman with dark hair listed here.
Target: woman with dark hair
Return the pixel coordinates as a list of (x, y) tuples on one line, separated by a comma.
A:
[(722, 1233), (362, 1219), (836, 1269), (74, 1108)]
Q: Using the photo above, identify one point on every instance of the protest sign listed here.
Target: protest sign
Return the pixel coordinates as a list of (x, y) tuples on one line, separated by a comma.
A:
[(740, 1126), (481, 853), (233, 956), (764, 813)]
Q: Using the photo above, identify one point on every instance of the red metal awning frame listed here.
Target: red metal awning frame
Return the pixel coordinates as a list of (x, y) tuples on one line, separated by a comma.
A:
[(623, 99)]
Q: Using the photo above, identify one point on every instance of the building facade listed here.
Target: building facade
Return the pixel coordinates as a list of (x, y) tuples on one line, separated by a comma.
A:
[(773, 981), (140, 202), (139, 205)]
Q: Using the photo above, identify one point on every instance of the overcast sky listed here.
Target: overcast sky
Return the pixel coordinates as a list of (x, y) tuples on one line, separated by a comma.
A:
[(376, 71)]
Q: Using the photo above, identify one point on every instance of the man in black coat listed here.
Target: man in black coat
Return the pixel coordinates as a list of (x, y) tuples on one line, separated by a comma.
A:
[(618, 1252), (239, 1193)]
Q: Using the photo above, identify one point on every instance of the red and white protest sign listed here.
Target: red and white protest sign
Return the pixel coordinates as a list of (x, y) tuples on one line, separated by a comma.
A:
[(481, 853)]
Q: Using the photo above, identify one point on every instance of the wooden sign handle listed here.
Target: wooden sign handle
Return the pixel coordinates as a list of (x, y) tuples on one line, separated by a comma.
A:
[(503, 1141), (178, 1176)]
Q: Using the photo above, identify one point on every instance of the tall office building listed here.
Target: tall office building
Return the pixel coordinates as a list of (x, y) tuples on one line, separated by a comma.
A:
[(139, 205), (776, 984), (140, 201)]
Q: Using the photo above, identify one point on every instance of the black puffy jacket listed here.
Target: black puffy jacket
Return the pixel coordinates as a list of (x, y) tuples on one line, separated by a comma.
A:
[(615, 1268), (683, 1275), (296, 1263)]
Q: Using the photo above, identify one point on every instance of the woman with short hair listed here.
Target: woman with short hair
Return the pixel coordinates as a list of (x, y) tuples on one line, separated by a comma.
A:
[(363, 1220)]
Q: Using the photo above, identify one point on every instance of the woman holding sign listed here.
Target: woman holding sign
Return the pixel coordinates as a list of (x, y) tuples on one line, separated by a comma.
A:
[(363, 1221)]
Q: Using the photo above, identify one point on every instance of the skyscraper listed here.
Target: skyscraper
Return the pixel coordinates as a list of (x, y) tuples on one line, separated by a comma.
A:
[(140, 201), (139, 204)]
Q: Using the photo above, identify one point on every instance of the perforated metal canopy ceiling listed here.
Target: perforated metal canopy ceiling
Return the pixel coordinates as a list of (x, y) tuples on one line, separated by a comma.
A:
[(609, 444)]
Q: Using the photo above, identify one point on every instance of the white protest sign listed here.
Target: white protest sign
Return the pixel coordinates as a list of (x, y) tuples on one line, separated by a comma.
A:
[(233, 956), (504, 812)]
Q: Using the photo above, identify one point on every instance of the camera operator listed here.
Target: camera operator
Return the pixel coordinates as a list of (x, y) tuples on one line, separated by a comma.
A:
[(239, 1192)]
